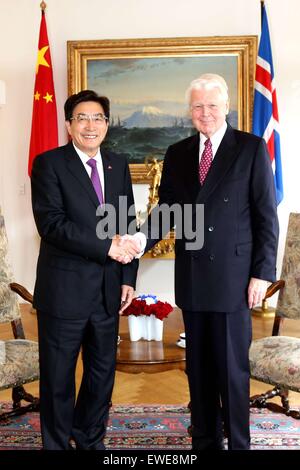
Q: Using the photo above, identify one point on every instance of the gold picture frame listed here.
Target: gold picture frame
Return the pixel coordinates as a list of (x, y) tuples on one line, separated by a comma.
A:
[(152, 74), (117, 63)]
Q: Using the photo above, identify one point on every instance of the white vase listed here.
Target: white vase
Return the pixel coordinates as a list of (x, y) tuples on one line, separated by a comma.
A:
[(135, 325), (145, 327), (154, 328)]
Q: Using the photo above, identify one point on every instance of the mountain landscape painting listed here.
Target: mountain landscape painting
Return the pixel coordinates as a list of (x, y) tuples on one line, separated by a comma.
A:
[(148, 107)]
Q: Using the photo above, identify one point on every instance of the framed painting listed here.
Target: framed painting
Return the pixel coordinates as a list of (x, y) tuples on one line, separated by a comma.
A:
[(146, 80)]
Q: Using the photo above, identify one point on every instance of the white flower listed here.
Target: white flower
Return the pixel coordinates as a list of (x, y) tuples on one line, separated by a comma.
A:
[(149, 299)]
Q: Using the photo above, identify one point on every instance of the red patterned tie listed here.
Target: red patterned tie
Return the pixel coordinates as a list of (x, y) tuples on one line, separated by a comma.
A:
[(206, 161)]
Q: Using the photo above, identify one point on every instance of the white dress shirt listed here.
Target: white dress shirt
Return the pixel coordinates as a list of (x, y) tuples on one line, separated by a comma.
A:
[(85, 158), (215, 139)]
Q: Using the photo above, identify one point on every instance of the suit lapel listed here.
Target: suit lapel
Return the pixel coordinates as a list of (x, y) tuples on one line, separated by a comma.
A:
[(190, 168), (224, 158), (75, 166), (108, 176)]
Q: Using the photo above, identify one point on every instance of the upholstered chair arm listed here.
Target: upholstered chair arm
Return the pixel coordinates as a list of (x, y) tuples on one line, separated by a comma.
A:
[(274, 287), (22, 291)]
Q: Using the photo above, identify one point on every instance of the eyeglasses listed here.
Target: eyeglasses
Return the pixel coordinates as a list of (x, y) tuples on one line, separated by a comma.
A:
[(200, 107), (86, 118)]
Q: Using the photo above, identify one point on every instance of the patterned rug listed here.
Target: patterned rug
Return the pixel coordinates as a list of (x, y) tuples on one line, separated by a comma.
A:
[(155, 427)]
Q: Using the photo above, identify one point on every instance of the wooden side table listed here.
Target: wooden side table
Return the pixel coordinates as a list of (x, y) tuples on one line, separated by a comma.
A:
[(152, 356)]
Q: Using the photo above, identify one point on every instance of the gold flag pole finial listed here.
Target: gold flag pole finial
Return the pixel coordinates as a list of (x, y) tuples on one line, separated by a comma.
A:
[(264, 311), (43, 6)]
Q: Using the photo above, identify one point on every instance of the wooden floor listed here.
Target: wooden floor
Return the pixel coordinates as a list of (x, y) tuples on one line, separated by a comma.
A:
[(162, 388)]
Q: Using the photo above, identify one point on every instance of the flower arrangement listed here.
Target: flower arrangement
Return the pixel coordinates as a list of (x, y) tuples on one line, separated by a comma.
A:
[(148, 305)]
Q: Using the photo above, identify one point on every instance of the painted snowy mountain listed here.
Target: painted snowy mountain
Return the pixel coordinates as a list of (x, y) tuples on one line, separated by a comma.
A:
[(150, 116)]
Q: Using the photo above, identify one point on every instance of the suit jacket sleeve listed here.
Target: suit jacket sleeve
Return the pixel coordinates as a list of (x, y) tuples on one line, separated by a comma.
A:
[(157, 227), (264, 216), (129, 271)]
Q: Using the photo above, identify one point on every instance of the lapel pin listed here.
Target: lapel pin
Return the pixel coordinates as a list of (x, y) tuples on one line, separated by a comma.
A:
[(109, 167)]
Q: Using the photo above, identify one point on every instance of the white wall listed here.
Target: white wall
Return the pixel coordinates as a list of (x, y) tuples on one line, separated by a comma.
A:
[(103, 19)]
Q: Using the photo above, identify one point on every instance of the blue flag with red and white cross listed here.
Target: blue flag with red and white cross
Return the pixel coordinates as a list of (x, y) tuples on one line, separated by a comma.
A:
[(265, 111)]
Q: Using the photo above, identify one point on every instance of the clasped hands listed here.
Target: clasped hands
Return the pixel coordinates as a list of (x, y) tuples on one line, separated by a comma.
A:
[(124, 248)]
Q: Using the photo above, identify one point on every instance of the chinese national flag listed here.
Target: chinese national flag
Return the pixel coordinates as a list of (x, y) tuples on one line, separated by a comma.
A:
[(44, 135)]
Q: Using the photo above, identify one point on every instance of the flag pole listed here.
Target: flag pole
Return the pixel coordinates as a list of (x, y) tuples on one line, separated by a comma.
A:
[(262, 5)]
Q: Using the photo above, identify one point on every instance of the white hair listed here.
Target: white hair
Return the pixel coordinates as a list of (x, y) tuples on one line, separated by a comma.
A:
[(208, 81)]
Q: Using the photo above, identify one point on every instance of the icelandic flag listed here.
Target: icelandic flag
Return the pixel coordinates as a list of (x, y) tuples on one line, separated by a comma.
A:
[(265, 111)]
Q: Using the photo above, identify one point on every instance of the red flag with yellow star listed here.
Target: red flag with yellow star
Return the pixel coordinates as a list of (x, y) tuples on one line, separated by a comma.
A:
[(44, 134)]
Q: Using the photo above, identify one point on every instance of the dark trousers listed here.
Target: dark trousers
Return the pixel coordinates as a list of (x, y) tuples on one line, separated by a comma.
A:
[(62, 416), (217, 347)]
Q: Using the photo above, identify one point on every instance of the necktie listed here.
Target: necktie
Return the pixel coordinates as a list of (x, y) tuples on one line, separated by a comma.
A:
[(96, 179), (206, 161)]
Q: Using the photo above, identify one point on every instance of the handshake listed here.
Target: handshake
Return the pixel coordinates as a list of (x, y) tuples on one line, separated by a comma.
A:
[(127, 247)]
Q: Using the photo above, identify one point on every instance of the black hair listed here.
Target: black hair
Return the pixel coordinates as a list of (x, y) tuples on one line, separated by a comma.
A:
[(82, 96)]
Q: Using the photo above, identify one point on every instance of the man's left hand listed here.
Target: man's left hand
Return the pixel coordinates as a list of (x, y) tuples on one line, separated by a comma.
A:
[(257, 291), (126, 297)]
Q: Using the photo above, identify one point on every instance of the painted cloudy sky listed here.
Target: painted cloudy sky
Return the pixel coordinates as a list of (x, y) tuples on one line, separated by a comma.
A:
[(132, 84)]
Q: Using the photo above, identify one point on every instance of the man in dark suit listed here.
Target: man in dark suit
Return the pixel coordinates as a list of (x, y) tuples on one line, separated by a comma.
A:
[(80, 284), (229, 173)]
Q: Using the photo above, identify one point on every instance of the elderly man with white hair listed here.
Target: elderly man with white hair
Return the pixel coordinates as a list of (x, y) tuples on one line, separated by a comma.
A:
[(228, 173)]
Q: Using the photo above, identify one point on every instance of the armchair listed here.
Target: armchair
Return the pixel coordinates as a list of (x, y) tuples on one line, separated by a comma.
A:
[(275, 359), (18, 357)]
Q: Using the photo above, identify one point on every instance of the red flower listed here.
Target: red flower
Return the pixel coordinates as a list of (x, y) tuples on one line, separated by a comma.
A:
[(162, 309), (139, 307)]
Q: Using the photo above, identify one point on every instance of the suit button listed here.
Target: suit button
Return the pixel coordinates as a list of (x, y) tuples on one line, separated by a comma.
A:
[(211, 228), (211, 257), (226, 199)]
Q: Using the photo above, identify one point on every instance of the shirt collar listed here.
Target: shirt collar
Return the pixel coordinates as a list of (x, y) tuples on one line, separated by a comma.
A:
[(215, 138), (85, 158)]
